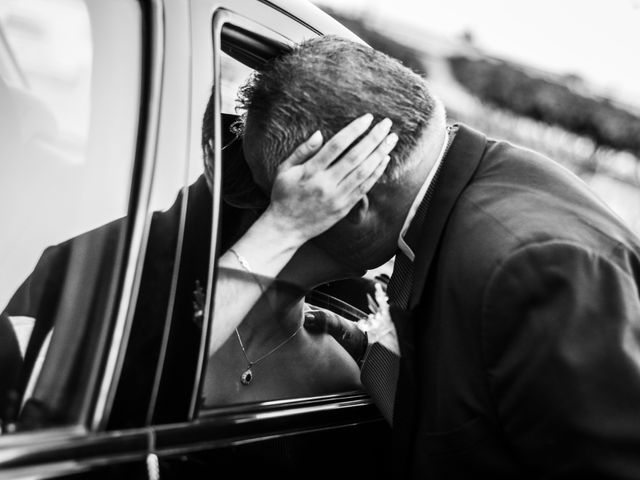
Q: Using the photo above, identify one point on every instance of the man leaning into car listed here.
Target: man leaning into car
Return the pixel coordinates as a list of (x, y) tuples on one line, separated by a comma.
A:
[(515, 297)]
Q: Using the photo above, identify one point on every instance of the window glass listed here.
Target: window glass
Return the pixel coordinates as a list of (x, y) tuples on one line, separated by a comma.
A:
[(70, 96)]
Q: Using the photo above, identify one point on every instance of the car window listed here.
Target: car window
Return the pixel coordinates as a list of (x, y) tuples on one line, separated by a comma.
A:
[(70, 96), (233, 76), (271, 356)]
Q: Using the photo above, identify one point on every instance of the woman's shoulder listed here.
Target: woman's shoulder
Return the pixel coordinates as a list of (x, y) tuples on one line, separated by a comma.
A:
[(325, 359)]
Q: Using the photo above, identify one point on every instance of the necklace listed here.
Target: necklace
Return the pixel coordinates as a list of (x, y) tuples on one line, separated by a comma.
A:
[(247, 375)]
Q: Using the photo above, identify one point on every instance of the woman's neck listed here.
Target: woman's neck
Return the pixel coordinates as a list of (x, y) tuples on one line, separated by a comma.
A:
[(280, 311), (272, 320)]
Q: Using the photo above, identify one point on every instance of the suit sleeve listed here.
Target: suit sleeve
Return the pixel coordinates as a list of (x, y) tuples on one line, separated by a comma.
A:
[(561, 343), (43, 285), (38, 298)]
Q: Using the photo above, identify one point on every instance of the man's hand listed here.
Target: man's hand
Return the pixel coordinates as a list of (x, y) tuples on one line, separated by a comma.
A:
[(346, 332)]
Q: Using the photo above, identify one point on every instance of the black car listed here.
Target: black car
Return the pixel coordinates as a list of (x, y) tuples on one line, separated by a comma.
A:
[(110, 235)]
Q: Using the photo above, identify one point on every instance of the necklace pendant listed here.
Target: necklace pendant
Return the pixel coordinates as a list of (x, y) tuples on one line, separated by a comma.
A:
[(247, 376)]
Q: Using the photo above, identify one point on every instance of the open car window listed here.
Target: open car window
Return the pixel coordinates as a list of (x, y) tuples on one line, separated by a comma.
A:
[(270, 356)]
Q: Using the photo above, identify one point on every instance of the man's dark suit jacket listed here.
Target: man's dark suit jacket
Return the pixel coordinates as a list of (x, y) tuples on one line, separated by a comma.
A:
[(521, 344)]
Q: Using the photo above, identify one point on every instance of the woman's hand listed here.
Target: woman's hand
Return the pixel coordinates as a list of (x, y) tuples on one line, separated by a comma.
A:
[(314, 188), (312, 191)]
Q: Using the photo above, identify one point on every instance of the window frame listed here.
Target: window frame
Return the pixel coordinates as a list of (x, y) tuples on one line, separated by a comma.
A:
[(245, 39), (89, 403), (240, 25)]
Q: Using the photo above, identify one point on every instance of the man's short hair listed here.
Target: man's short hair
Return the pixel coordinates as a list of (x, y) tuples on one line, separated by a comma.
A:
[(323, 84)]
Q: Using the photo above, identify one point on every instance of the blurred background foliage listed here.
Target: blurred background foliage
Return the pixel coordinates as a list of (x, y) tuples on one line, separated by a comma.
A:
[(558, 116), (511, 87), (380, 41)]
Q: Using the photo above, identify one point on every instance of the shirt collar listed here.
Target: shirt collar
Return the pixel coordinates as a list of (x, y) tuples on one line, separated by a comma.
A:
[(402, 245)]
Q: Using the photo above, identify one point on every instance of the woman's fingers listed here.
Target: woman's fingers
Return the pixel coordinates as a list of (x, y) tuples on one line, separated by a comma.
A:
[(362, 180), (359, 152), (311, 195), (317, 159), (361, 176), (304, 151), (338, 144)]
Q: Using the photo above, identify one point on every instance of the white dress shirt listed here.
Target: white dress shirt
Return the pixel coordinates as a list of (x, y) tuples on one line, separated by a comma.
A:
[(402, 245), (388, 338)]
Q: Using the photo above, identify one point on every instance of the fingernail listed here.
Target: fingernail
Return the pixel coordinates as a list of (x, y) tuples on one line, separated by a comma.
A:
[(315, 139), (309, 316), (386, 123), (366, 118), (391, 139)]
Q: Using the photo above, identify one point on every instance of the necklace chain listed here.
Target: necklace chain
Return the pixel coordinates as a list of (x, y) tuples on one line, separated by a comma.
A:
[(247, 376)]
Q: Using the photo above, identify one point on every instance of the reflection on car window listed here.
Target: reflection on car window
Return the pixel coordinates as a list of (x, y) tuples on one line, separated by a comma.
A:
[(70, 96)]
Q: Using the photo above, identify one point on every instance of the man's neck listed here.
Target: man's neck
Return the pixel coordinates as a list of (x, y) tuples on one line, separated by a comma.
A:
[(419, 197)]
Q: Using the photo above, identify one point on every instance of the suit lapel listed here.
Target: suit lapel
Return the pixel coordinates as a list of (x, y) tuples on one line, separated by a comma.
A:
[(457, 170)]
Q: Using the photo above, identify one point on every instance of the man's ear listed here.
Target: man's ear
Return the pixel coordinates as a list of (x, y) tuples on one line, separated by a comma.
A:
[(359, 211)]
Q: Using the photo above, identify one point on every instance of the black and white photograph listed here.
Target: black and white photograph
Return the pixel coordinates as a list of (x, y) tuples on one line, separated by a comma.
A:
[(319, 239)]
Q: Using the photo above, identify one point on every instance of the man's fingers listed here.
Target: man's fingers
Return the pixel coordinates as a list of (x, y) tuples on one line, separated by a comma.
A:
[(319, 321), (324, 320), (304, 151), (359, 152), (344, 331), (313, 323), (339, 143)]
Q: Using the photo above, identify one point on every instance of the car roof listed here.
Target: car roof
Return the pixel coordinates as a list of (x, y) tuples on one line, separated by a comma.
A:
[(315, 18)]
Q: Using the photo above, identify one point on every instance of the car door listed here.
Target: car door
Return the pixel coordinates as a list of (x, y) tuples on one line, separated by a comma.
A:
[(116, 370), (84, 170), (286, 437)]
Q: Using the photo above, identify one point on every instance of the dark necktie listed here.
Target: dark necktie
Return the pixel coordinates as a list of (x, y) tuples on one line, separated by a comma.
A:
[(399, 288), (381, 368)]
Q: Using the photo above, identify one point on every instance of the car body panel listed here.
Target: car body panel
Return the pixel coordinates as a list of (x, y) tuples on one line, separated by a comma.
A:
[(179, 48)]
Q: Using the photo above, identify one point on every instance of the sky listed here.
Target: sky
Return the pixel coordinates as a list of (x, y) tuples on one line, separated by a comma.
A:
[(598, 40)]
